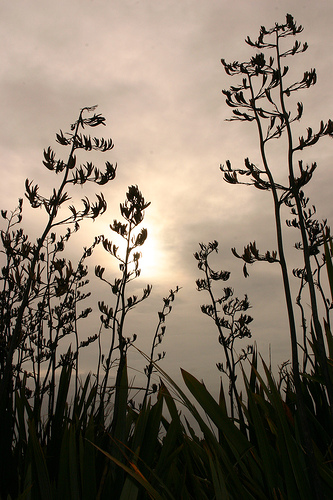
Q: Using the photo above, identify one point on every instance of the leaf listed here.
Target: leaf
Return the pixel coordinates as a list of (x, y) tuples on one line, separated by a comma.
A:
[(237, 440), (266, 451), (135, 473), (43, 478), (220, 489), (62, 139), (329, 264)]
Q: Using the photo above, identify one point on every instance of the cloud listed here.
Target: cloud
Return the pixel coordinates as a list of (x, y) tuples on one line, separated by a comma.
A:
[(154, 69)]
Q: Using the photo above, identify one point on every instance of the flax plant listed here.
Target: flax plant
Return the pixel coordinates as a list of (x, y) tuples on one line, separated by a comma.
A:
[(157, 340), (261, 98), (113, 318), (47, 428), (113, 322), (316, 232), (227, 314), (40, 290)]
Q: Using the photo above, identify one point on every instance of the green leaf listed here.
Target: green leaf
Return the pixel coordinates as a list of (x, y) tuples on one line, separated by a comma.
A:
[(236, 439), (73, 465), (135, 474), (43, 478), (329, 338), (293, 459), (220, 489), (268, 462), (88, 463), (120, 423)]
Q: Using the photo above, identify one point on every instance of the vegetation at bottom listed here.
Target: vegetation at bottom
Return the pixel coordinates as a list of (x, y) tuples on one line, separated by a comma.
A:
[(64, 436)]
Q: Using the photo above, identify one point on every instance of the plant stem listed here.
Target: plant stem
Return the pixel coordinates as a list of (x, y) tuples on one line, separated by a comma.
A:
[(306, 253)]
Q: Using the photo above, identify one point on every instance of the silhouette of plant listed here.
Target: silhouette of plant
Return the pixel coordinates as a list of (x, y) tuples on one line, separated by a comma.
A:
[(157, 340), (113, 318), (41, 290), (316, 234), (261, 97), (231, 325), (42, 304)]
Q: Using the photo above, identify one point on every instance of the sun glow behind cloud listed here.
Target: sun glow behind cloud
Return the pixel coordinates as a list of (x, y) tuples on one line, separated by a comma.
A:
[(151, 252)]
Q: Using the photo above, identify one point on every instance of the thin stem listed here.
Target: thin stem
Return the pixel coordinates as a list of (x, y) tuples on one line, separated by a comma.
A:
[(230, 366), (122, 346), (279, 236), (299, 396)]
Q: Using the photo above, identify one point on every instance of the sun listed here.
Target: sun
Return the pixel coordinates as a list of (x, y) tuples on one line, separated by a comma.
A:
[(149, 254)]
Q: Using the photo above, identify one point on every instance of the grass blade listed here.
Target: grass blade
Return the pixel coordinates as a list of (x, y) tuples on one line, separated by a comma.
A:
[(43, 479)]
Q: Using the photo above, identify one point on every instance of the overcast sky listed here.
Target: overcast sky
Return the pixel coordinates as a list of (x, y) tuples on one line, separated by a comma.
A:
[(153, 67)]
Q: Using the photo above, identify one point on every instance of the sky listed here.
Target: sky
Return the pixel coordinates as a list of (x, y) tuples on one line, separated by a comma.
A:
[(153, 67)]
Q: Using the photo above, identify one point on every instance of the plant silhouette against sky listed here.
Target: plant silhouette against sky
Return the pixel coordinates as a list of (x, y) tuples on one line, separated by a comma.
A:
[(262, 98), (229, 315), (40, 289)]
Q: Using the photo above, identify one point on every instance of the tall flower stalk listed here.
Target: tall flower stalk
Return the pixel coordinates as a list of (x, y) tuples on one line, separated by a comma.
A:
[(261, 98)]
